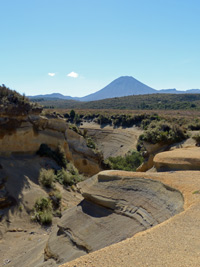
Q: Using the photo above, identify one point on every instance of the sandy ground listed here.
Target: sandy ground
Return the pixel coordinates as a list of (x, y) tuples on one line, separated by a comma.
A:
[(174, 242), (113, 141)]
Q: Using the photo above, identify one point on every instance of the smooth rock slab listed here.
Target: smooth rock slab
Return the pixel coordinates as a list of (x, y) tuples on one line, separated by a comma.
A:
[(178, 159), (114, 208)]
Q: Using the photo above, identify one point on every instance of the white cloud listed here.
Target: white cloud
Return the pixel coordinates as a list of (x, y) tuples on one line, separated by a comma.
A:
[(51, 74), (73, 74)]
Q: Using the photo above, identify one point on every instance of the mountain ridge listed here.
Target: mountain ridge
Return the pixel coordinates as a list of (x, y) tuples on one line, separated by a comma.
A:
[(122, 86)]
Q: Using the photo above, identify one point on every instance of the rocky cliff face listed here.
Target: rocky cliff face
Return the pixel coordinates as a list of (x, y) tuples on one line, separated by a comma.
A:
[(25, 134)]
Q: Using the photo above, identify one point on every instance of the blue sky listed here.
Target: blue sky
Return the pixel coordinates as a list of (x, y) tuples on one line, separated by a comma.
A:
[(77, 47)]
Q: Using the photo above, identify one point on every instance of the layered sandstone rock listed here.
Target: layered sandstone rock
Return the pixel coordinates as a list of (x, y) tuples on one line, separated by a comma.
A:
[(173, 243), (25, 134), (178, 159), (116, 206)]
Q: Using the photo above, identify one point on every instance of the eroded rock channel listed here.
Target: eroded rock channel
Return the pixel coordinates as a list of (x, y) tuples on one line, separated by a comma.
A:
[(114, 208)]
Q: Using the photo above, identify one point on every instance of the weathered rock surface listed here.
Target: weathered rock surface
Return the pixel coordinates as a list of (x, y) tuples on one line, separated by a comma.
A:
[(113, 141), (84, 158), (116, 206), (26, 134), (22, 241), (178, 159), (173, 243)]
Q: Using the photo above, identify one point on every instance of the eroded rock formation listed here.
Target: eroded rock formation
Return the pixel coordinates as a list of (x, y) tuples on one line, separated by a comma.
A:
[(178, 159), (116, 206), (25, 134)]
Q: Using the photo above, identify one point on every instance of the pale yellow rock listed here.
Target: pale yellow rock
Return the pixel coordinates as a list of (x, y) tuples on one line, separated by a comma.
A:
[(172, 243), (178, 159)]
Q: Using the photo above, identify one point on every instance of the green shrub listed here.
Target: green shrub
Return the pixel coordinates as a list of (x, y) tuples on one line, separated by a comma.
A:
[(163, 132), (46, 217), (58, 155), (90, 143), (77, 119), (103, 120), (69, 177), (64, 176), (43, 211), (72, 114), (72, 169), (129, 162), (47, 178), (194, 125), (55, 197), (12, 102), (75, 128)]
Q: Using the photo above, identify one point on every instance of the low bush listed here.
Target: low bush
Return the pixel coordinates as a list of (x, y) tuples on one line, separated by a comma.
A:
[(194, 125), (162, 132), (104, 120), (129, 162), (43, 211), (72, 169), (58, 155), (69, 177), (55, 197), (72, 114), (90, 143), (47, 178)]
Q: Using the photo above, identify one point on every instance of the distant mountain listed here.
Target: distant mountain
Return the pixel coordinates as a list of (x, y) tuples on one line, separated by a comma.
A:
[(174, 91), (122, 86), (169, 91), (193, 91), (53, 96)]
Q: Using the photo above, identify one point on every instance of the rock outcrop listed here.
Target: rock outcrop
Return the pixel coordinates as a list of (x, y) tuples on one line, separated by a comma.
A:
[(116, 206), (25, 134), (151, 151), (84, 158), (173, 243), (178, 159)]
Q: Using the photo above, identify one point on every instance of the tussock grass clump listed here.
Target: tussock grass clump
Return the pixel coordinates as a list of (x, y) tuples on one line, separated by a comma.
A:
[(47, 178), (43, 211), (69, 177)]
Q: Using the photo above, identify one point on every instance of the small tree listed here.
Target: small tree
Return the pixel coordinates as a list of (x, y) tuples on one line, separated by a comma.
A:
[(72, 114)]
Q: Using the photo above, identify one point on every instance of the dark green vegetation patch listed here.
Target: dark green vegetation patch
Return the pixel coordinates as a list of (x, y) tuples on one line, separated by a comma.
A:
[(134, 102)]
